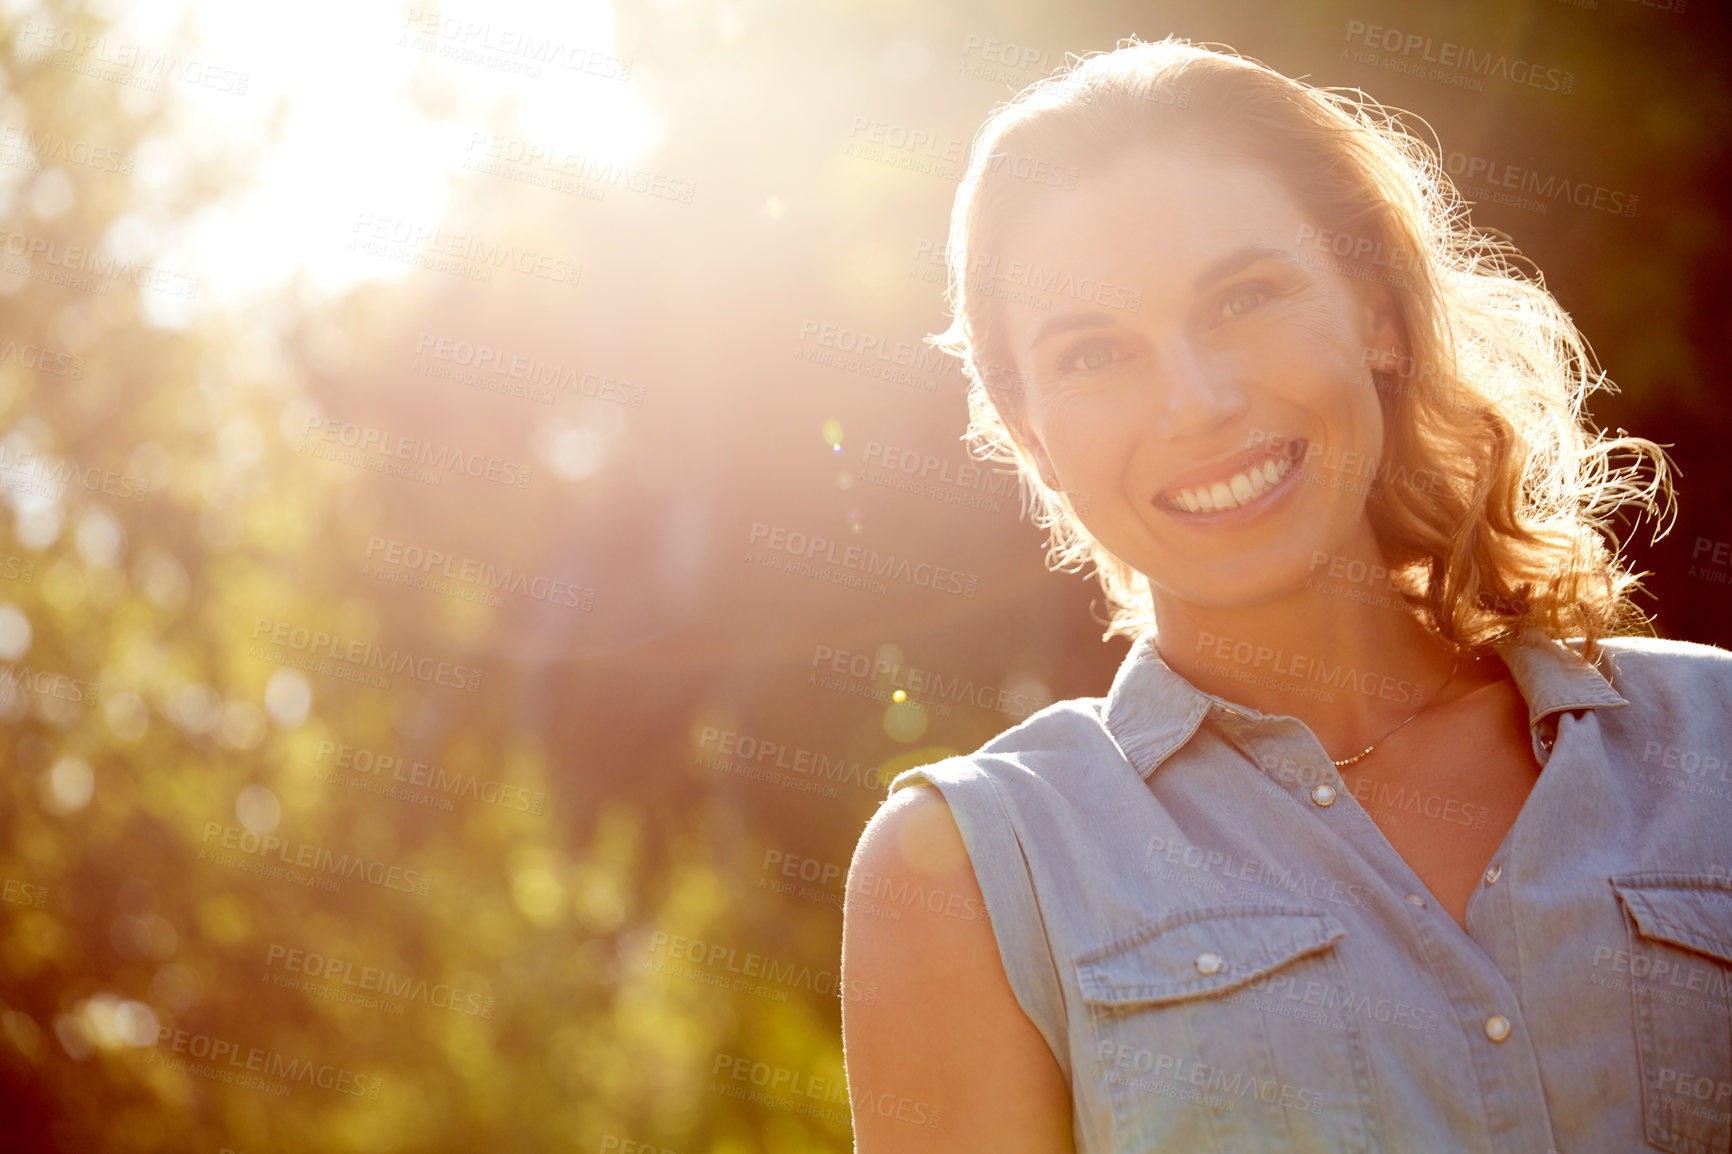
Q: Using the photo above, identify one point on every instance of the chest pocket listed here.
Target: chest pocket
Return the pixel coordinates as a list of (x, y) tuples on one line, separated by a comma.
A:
[(1680, 951), (1222, 1029)]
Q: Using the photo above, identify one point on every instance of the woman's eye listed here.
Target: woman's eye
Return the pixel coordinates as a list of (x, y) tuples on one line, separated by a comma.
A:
[(1242, 300), (1088, 357)]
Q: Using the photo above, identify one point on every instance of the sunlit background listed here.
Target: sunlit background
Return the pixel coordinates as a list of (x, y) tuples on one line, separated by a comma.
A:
[(410, 742)]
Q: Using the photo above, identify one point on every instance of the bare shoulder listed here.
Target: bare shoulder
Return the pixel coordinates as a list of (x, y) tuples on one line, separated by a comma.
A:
[(940, 1056), (912, 833), (910, 849)]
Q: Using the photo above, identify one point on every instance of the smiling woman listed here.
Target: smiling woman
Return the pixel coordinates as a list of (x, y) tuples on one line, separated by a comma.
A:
[(1324, 445)]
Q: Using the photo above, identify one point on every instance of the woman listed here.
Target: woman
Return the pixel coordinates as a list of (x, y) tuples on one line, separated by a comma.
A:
[(1386, 835)]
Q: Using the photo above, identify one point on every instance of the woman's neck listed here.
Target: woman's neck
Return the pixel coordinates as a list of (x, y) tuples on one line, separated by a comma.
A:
[(1351, 669)]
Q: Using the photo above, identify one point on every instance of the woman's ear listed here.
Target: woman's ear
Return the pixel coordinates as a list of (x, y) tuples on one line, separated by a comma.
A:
[(1381, 326)]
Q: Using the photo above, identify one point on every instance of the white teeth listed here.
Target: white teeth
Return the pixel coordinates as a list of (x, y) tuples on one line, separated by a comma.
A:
[(1239, 489)]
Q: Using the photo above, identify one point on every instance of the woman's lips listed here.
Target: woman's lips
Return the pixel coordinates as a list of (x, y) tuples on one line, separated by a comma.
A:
[(1242, 486)]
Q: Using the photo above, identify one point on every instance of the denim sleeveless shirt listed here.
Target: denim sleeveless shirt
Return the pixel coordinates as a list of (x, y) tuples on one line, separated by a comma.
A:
[(1225, 956)]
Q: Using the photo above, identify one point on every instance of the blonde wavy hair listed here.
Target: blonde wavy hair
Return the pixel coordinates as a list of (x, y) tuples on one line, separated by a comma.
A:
[(1517, 528)]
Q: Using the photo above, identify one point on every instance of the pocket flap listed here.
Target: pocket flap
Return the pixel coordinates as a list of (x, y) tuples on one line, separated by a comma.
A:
[(1689, 910), (1202, 951)]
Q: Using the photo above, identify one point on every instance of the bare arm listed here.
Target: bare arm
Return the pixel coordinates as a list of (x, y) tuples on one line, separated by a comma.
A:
[(944, 1029)]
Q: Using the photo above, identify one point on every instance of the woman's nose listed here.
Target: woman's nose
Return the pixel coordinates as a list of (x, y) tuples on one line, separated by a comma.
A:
[(1190, 392)]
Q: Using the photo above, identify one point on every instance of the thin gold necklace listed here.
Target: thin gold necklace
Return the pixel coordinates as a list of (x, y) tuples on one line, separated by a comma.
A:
[(1347, 761)]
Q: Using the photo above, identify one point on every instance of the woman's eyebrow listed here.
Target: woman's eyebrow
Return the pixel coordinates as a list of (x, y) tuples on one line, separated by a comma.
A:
[(1066, 322), (1219, 271), (1243, 258)]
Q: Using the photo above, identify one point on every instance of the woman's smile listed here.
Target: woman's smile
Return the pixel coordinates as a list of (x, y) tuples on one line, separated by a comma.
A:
[(1235, 489)]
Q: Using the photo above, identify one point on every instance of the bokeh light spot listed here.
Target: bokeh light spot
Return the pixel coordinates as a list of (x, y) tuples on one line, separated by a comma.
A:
[(538, 894), (68, 786), (258, 809), (15, 633), (905, 721), (288, 697)]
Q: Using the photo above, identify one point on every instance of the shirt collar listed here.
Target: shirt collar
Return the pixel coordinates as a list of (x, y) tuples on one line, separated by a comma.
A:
[(1151, 711)]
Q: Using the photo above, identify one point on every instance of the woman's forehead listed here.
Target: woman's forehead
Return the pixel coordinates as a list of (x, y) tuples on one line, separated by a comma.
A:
[(1185, 205)]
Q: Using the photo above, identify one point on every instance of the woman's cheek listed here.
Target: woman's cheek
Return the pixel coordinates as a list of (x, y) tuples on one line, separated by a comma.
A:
[(1087, 441)]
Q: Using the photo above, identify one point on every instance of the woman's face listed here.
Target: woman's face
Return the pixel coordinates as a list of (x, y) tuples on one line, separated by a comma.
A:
[(1220, 431)]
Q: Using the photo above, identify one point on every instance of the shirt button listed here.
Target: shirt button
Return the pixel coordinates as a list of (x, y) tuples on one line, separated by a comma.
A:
[(1492, 874), (1497, 1027), (1208, 963), (1324, 795), (1416, 900)]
